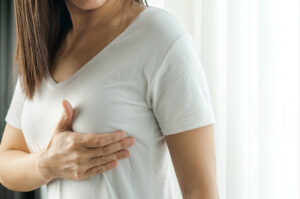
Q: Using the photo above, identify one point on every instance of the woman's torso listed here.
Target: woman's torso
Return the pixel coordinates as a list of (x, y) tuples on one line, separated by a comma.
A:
[(109, 93)]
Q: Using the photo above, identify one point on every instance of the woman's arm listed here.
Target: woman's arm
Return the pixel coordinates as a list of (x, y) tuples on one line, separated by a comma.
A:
[(69, 155), (23, 171), (193, 157), (18, 167)]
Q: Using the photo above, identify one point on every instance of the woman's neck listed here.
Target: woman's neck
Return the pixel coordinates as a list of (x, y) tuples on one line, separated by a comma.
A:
[(84, 20)]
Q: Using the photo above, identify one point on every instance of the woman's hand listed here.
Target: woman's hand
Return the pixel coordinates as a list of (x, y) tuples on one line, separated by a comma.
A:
[(77, 156)]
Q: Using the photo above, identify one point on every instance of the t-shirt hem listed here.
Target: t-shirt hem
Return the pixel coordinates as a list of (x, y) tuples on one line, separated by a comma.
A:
[(186, 124), (12, 123)]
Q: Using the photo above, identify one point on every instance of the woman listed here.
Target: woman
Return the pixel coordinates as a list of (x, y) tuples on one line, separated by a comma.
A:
[(128, 78)]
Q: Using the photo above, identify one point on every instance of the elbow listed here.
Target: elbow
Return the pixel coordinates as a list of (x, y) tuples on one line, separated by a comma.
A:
[(201, 192), (7, 186), (10, 187), (5, 183)]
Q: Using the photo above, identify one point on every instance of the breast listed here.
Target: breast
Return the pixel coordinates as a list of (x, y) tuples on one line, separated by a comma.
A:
[(99, 107)]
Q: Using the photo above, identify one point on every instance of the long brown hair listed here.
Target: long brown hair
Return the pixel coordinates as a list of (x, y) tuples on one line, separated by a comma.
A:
[(39, 29)]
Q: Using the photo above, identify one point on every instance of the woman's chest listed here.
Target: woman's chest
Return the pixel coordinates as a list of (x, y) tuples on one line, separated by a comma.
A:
[(100, 105)]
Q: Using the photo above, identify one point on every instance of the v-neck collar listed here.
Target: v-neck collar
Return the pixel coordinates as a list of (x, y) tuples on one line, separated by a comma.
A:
[(49, 80)]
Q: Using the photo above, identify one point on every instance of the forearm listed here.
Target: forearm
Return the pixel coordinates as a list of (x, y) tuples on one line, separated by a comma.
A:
[(19, 170)]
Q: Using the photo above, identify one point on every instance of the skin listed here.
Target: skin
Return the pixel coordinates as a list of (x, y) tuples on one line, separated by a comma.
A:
[(93, 30), (69, 155), (96, 23), (193, 157)]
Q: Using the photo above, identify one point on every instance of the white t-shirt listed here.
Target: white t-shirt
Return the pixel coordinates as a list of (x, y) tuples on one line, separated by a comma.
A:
[(148, 82)]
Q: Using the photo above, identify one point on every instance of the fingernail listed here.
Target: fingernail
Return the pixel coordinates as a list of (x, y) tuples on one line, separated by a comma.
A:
[(125, 154), (64, 115), (121, 134), (131, 141), (114, 163)]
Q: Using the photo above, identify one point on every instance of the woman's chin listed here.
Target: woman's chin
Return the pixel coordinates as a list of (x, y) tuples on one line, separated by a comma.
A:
[(88, 4)]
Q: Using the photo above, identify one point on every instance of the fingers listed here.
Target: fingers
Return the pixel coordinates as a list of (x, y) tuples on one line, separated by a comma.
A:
[(65, 122), (100, 164), (112, 148), (100, 169), (107, 158), (99, 140)]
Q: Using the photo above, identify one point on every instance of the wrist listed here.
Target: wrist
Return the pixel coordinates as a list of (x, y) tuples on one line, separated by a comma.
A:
[(42, 167)]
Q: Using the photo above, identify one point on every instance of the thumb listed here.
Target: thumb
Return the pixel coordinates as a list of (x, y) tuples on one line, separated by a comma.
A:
[(65, 122)]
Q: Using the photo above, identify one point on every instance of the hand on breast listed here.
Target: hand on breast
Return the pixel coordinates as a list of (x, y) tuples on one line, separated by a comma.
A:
[(78, 155)]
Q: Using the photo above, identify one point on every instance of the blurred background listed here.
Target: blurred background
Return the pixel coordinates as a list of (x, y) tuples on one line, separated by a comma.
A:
[(250, 52)]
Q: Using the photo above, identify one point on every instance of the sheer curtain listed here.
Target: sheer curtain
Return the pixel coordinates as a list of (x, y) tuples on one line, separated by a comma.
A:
[(250, 51)]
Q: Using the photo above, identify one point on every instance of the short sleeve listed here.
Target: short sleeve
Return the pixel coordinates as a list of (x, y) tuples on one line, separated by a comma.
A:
[(179, 92), (13, 116)]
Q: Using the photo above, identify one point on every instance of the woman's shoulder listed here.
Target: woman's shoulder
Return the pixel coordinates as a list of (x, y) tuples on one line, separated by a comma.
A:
[(163, 25)]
